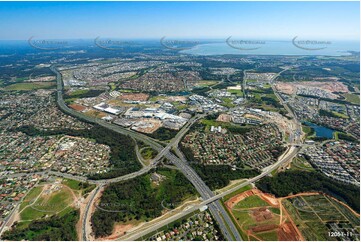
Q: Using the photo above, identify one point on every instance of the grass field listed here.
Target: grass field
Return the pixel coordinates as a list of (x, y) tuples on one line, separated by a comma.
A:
[(243, 189), (50, 202), (299, 163), (268, 236), (340, 115), (352, 98), (29, 86), (313, 214), (251, 202), (238, 93), (206, 83), (252, 214), (78, 187), (31, 196)]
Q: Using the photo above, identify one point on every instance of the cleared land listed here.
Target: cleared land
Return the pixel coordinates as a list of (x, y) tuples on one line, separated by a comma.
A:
[(318, 215), (261, 217), (305, 216), (29, 86), (352, 98)]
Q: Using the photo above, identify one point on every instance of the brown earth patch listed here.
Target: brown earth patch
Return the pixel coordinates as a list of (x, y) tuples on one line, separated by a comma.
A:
[(119, 230), (77, 107), (239, 197), (287, 232), (134, 96), (263, 228)]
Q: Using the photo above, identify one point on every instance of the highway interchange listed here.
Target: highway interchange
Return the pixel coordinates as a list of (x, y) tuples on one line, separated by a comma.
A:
[(209, 198), (215, 207)]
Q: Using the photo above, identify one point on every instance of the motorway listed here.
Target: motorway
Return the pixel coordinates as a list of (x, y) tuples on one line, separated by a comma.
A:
[(86, 215), (226, 225), (222, 217), (290, 153)]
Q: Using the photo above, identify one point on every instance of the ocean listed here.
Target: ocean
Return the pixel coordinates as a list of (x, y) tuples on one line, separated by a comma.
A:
[(329, 48)]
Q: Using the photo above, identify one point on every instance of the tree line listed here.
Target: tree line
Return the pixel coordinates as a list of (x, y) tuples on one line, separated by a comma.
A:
[(293, 182)]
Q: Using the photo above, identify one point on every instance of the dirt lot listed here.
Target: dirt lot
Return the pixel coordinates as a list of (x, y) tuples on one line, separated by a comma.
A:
[(77, 107), (287, 232), (236, 199), (224, 118), (119, 230), (264, 219), (134, 96), (290, 88)]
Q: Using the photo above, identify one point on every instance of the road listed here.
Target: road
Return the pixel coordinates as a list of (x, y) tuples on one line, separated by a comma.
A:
[(291, 152), (216, 208), (221, 216), (87, 214), (296, 139)]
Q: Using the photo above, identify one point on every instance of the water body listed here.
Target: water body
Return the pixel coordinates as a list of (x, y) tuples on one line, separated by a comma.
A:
[(321, 131), (333, 48)]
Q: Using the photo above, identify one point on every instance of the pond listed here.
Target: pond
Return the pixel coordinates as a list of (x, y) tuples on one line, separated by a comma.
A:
[(320, 130)]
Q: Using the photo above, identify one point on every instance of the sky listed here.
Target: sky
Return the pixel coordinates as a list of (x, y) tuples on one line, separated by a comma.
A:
[(202, 20)]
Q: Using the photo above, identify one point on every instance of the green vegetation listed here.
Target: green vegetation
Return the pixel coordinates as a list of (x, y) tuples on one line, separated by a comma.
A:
[(33, 193), (243, 189), (268, 236), (218, 176), (227, 102), (312, 214), (233, 128), (293, 182), (308, 130), (163, 134), (84, 188), (206, 83), (301, 164), (265, 99), (352, 98), (28, 86), (340, 135), (250, 202), (148, 153), (55, 228), (237, 92), (83, 94), (48, 204), (122, 156), (139, 199), (332, 114)]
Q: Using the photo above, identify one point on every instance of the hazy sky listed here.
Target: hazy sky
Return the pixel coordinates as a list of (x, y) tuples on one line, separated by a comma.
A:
[(257, 20)]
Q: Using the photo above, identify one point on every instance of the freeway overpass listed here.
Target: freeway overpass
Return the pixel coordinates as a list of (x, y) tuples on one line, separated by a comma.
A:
[(216, 208), (137, 234)]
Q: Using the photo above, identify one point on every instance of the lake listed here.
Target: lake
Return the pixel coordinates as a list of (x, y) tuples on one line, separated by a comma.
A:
[(321, 131)]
